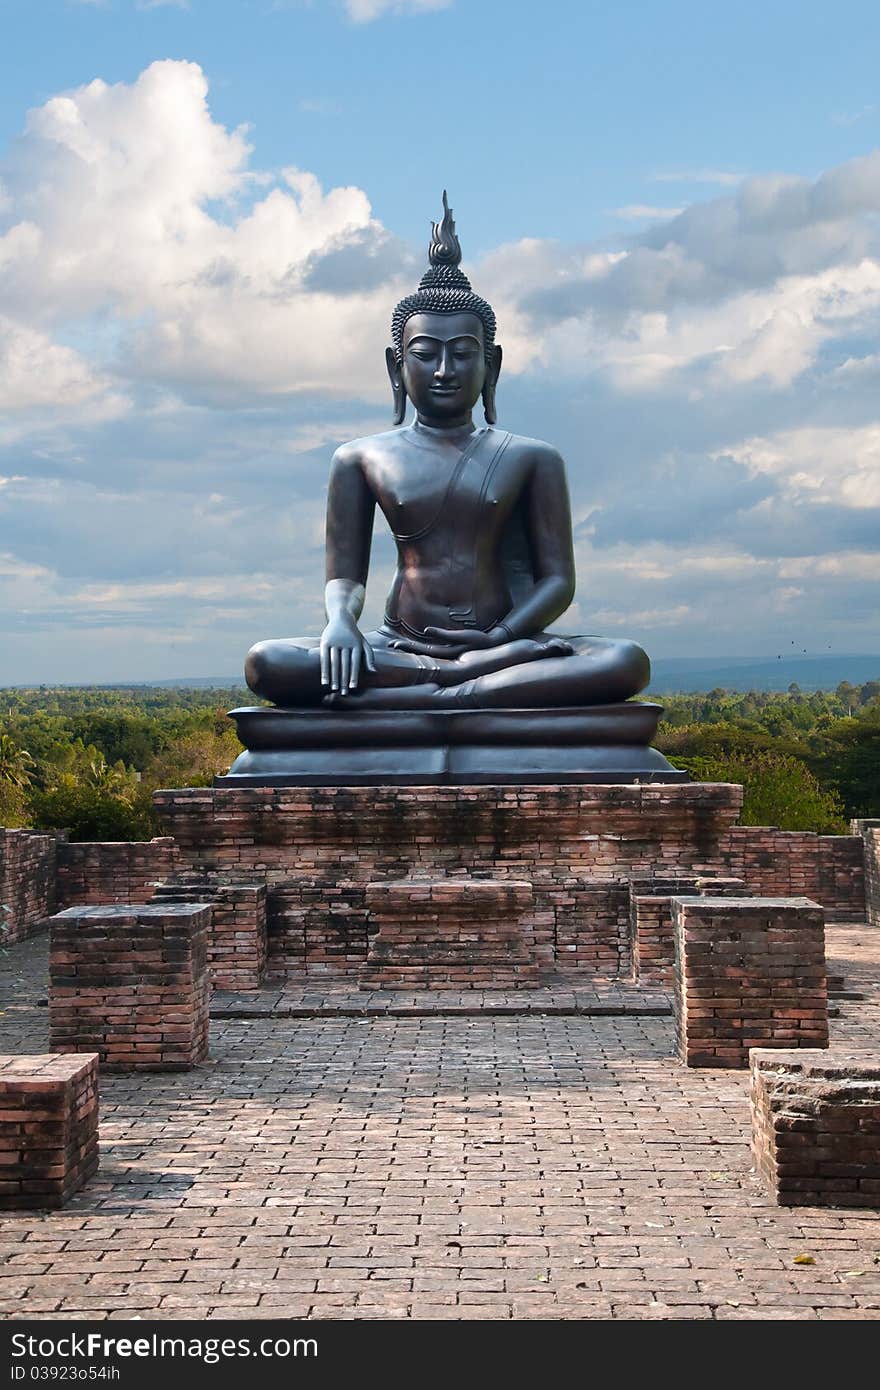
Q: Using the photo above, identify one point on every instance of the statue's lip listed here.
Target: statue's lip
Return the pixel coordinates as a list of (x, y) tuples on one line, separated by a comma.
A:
[(444, 390)]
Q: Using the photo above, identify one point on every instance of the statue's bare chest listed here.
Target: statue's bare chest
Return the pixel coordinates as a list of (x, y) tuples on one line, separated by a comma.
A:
[(422, 490)]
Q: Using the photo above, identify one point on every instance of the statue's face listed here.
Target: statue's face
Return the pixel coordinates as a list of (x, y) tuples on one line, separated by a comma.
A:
[(444, 364)]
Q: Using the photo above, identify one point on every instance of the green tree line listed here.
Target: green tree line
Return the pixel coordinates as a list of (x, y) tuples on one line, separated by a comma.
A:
[(807, 760), (88, 759)]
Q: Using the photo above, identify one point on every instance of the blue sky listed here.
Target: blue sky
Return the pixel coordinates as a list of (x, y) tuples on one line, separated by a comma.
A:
[(208, 210)]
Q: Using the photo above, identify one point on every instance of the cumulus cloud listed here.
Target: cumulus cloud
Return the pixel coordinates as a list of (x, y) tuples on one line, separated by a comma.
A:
[(750, 287), (131, 204), (819, 465), (35, 371)]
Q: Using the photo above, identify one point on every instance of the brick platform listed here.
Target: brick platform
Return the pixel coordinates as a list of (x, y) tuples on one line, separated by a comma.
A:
[(816, 1126), (317, 848), (131, 984), (237, 940), (652, 937), (48, 1128), (749, 972), (454, 934)]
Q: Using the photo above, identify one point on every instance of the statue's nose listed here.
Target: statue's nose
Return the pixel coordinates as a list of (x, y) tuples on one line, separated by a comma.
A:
[(445, 367)]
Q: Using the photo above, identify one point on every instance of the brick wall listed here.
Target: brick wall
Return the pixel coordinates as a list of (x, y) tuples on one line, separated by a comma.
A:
[(94, 872), (317, 848), (27, 881), (798, 863), (465, 933), (869, 833)]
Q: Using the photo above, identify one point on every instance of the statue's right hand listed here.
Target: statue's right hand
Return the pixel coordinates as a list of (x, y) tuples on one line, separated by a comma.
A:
[(344, 650)]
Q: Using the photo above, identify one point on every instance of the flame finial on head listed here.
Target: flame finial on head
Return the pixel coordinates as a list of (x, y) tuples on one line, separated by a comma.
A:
[(445, 247), (444, 288)]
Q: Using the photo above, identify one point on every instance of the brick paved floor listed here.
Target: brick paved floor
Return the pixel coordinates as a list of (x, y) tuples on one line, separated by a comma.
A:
[(438, 1166)]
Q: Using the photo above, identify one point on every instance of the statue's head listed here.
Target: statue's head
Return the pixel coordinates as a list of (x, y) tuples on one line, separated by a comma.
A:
[(444, 354)]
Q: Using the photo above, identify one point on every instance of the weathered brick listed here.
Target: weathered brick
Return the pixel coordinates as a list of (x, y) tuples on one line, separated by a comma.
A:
[(777, 863), (237, 939), (453, 934), (749, 972), (816, 1126), (131, 984), (91, 873), (868, 832), (317, 848), (48, 1128), (27, 881)]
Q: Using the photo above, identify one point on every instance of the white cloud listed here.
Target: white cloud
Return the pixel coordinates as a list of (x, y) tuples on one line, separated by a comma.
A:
[(365, 11), (643, 212), (35, 371), (849, 565), (747, 288), (131, 202), (832, 465)]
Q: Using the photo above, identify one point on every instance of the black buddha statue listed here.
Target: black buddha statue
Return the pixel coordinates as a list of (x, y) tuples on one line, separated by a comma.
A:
[(462, 681)]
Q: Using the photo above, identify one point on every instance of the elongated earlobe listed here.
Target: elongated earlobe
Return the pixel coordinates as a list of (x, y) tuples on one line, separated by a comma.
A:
[(492, 373), (398, 390)]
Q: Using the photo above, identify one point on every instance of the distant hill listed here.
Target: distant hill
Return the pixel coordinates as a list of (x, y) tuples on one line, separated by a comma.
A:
[(693, 674)]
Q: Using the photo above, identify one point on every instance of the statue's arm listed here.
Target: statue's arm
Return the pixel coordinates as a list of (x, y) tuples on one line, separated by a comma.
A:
[(548, 512), (350, 509)]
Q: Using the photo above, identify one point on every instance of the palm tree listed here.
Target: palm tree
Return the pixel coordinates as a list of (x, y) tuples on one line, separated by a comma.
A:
[(16, 765)]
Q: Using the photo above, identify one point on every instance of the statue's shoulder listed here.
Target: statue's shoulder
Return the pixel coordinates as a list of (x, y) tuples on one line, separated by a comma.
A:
[(536, 450), (368, 448)]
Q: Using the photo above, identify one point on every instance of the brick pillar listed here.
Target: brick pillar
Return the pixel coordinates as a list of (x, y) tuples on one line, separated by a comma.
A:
[(453, 934), (237, 939), (749, 972), (48, 1128), (652, 938), (131, 984), (816, 1126)]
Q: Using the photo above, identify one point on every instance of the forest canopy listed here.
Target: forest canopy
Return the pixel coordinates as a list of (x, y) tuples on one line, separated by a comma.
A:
[(87, 759)]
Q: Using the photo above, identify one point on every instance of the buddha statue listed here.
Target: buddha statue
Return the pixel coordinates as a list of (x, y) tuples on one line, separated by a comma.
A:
[(482, 523)]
